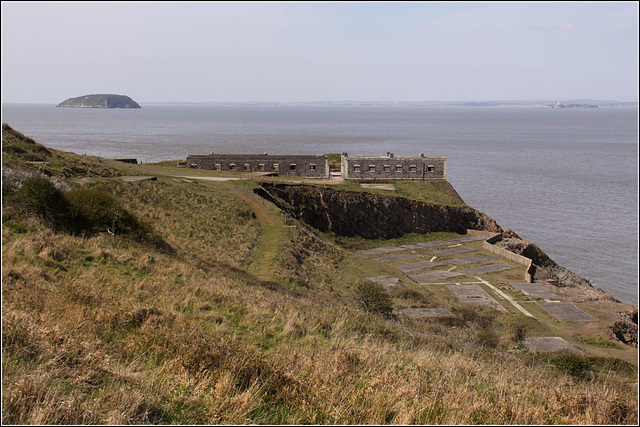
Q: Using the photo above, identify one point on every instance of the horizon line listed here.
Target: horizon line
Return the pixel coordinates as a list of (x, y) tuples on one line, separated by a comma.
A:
[(528, 100)]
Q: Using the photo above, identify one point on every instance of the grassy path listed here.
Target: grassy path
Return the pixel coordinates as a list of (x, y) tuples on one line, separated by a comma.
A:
[(272, 238)]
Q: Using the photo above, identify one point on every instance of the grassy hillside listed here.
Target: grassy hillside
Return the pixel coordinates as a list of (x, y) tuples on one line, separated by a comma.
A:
[(243, 315)]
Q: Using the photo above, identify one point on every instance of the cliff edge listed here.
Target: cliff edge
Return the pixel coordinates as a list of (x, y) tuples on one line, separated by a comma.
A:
[(374, 216)]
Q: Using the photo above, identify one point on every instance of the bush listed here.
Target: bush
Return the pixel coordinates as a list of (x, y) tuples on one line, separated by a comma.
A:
[(374, 299), (483, 317), (40, 197), (84, 211), (98, 211), (516, 329), (413, 296), (488, 337), (572, 364)]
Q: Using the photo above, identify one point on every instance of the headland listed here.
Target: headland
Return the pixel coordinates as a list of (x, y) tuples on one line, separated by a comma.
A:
[(157, 294)]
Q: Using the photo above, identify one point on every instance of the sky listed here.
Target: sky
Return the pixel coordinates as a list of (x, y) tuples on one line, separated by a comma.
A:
[(230, 52)]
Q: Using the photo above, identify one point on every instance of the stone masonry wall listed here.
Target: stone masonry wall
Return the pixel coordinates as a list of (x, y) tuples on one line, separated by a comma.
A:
[(291, 165), (413, 168)]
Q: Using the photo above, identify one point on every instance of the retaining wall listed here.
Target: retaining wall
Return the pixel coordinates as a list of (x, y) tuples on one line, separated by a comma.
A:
[(488, 245)]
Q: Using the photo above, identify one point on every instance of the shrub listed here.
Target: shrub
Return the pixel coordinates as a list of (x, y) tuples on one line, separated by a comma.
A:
[(487, 337), (98, 211), (40, 197), (13, 179), (374, 299), (572, 364), (413, 296), (516, 329), (84, 211), (480, 316)]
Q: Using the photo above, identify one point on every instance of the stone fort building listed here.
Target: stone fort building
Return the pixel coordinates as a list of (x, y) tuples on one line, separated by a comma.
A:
[(391, 167), (304, 166), (313, 166)]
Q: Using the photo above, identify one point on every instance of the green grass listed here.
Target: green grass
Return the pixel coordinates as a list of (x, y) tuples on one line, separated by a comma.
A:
[(602, 342), (434, 192), (334, 160), (439, 193), (359, 243), (272, 239)]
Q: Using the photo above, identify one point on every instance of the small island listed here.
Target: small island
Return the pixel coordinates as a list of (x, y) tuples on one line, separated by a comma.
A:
[(100, 101)]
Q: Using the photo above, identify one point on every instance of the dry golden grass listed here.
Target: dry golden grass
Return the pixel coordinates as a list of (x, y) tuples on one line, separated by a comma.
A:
[(125, 335), (109, 330)]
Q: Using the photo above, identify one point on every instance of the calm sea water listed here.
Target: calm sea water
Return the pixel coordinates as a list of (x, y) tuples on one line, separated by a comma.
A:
[(565, 179)]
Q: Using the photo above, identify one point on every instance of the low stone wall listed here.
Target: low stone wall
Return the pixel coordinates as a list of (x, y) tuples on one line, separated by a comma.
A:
[(488, 245), (132, 161)]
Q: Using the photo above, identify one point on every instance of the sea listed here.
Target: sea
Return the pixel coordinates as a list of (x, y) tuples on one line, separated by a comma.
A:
[(566, 179)]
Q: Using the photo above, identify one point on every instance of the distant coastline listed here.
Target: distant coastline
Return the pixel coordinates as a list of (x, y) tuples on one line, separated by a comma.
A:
[(559, 105), (406, 104), (384, 104)]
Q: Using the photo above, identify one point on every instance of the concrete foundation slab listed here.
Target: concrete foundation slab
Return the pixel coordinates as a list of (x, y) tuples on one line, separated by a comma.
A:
[(423, 245), (550, 344), (565, 312), (434, 275), (422, 265), (452, 251), (474, 295), (397, 257), (386, 282), (382, 250), (424, 312), (469, 259), (489, 268), (536, 290)]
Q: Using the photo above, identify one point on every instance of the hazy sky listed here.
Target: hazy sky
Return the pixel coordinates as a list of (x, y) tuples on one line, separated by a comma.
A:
[(331, 51)]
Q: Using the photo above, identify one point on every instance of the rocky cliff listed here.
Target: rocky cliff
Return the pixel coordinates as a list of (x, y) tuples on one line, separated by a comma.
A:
[(546, 268), (372, 216), (100, 101)]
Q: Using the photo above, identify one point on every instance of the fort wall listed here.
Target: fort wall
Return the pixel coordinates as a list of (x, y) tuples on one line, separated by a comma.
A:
[(391, 167), (304, 166)]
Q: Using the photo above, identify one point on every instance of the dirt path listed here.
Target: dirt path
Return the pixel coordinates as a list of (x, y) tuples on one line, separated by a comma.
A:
[(272, 238)]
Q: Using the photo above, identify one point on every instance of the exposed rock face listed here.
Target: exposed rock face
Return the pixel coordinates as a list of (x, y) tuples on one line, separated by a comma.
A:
[(626, 330), (547, 269), (374, 216), (510, 234), (100, 101)]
